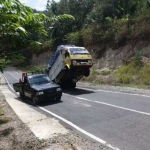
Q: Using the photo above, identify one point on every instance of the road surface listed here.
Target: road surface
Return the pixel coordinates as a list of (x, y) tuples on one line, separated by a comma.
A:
[(121, 120)]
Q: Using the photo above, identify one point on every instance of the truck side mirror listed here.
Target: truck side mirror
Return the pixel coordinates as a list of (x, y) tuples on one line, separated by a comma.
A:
[(63, 51), (66, 54)]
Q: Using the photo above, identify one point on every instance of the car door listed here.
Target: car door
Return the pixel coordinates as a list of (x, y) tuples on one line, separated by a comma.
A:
[(27, 89)]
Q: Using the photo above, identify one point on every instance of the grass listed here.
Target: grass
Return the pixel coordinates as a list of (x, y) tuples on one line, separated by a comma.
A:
[(105, 72), (1, 112), (135, 75), (3, 119)]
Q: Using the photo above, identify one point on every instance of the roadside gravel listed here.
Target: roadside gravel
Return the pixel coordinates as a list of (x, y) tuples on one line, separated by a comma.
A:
[(114, 88)]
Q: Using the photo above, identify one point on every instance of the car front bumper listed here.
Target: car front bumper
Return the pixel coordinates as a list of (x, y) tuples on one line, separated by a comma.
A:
[(49, 96)]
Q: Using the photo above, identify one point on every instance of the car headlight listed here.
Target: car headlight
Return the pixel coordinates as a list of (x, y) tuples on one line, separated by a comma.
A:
[(89, 61), (58, 89), (40, 93), (74, 61)]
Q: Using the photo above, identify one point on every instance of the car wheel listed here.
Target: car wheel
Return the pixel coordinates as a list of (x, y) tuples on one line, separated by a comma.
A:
[(21, 95), (34, 100), (58, 98)]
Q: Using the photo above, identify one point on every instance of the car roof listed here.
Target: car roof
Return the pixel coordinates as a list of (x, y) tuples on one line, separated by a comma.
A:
[(36, 75)]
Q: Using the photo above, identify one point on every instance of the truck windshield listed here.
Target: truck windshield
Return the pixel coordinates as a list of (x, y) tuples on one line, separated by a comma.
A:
[(76, 51), (39, 80)]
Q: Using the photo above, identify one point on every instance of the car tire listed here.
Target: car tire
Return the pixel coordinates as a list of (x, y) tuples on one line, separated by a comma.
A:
[(34, 100), (58, 98)]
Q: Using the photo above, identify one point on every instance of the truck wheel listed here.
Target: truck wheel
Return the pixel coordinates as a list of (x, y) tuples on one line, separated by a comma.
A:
[(58, 98), (87, 72), (34, 100), (72, 85), (21, 95)]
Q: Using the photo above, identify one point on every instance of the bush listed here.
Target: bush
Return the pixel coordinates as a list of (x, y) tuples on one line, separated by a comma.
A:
[(105, 72), (144, 74), (126, 74), (75, 38)]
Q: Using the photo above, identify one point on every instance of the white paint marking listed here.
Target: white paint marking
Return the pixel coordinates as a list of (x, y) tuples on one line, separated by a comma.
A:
[(73, 125), (7, 82), (18, 72), (132, 110), (114, 92), (12, 76)]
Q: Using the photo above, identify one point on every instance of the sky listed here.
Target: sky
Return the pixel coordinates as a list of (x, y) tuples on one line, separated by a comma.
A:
[(36, 4)]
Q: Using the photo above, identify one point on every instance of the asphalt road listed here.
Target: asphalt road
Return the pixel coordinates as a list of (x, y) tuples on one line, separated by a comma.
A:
[(122, 120)]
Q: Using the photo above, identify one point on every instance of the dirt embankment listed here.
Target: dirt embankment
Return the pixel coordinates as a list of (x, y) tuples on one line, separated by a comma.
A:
[(13, 133)]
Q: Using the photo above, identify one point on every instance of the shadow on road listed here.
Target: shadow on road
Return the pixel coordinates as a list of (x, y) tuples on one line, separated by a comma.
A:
[(77, 91), (44, 103)]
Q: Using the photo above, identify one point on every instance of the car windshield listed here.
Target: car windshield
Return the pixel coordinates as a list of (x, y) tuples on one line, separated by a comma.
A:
[(76, 51), (39, 80)]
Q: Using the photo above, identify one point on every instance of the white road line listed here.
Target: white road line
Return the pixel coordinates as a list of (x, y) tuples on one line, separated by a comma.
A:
[(73, 125), (12, 76), (132, 110), (114, 92), (7, 82), (18, 72)]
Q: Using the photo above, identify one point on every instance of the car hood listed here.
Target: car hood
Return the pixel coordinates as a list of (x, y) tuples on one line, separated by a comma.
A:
[(45, 86)]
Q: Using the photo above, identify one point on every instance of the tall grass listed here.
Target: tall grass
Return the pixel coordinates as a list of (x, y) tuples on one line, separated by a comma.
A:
[(133, 74)]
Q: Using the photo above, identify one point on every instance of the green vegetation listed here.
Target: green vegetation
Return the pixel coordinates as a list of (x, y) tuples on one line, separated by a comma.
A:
[(3, 119), (35, 69), (134, 74), (19, 30), (1, 112)]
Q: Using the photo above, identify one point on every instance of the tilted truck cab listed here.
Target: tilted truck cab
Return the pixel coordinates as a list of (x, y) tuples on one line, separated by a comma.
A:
[(69, 64)]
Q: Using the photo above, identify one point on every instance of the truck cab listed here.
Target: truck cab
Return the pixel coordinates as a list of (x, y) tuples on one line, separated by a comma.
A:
[(69, 64), (78, 59)]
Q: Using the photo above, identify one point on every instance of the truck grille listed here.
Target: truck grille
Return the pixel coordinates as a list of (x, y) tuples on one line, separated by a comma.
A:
[(82, 60)]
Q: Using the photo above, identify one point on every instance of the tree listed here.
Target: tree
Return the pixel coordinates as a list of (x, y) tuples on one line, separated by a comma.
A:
[(60, 26), (17, 23)]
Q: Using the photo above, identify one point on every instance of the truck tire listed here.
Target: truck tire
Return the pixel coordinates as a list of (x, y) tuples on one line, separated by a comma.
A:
[(72, 85), (87, 72), (21, 95), (34, 100)]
